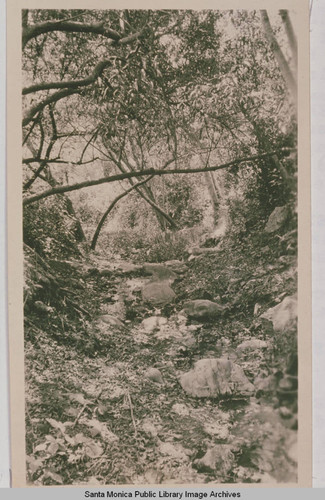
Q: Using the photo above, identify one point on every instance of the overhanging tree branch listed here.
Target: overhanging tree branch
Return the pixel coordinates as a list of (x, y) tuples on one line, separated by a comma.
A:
[(30, 32), (151, 171), (69, 27), (74, 84), (49, 100)]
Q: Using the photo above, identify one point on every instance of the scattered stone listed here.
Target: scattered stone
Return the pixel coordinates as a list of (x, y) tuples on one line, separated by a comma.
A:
[(154, 375), (153, 323), (257, 309), (217, 430), (177, 266), (127, 268), (43, 308), (159, 272), (158, 293), (266, 384), (204, 310), (176, 451), (149, 428), (111, 320), (181, 409), (200, 251), (284, 315), (251, 345), (292, 449), (194, 328), (218, 458), (288, 383), (277, 218), (285, 412), (263, 427), (216, 378)]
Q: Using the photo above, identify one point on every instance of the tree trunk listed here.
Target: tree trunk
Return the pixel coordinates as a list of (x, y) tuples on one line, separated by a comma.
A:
[(110, 208), (278, 54)]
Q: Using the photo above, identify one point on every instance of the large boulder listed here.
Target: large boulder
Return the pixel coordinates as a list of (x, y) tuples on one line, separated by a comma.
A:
[(203, 310), (213, 377), (277, 219), (158, 293), (284, 315)]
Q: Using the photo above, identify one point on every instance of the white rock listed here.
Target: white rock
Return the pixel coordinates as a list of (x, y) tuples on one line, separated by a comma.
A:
[(277, 218), (154, 375), (213, 377), (284, 315), (153, 322), (180, 409), (252, 345)]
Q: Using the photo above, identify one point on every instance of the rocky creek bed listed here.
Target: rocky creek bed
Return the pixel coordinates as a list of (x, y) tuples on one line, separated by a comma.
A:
[(148, 387)]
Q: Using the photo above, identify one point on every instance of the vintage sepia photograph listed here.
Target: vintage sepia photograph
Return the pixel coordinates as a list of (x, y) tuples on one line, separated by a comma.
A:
[(160, 246)]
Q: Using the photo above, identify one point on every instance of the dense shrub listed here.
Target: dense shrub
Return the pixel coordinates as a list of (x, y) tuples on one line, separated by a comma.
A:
[(50, 229)]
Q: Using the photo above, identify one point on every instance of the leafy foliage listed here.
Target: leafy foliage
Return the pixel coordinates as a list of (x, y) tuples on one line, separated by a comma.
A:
[(50, 229)]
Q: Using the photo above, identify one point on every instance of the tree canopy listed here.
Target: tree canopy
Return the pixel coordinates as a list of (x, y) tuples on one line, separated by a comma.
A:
[(137, 95)]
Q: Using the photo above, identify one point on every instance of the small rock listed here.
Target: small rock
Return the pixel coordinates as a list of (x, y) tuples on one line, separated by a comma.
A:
[(158, 293), (40, 306), (159, 272), (219, 431), (149, 428), (154, 375), (251, 345), (194, 328), (288, 383), (212, 377), (200, 251), (285, 412), (111, 320), (177, 266), (176, 451), (257, 309), (283, 316), (266, 384), (204, 310), (180, 409), (219, 458), (277, 218), (293, 452), (152, 323)]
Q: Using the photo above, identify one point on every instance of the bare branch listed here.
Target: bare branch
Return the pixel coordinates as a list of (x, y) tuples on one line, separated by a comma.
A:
[(27, 161)]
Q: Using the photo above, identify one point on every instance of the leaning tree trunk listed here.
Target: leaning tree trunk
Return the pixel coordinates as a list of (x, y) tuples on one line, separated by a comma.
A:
[(110, 208)]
